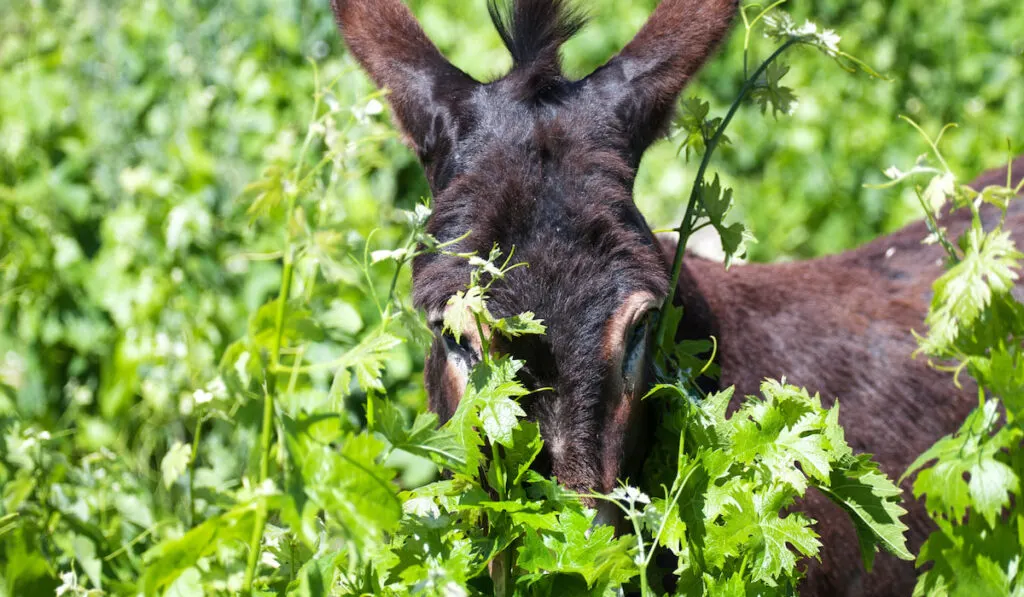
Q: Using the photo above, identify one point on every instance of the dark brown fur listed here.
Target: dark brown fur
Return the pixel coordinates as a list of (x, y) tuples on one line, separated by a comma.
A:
[(841, 326), (543, 164)]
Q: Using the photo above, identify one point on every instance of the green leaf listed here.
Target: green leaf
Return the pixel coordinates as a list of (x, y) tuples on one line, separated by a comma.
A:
[(945, 489), (189, 584), (356, 487), (316, 577), (500, 417), (526, 446), (343, 317), (518, 325), (175, 463), (964, 292), (528, 515), (778, 534), (835, 435), (489, 402), (579, 548), (695, 128), (169, 558), (297, 325), (743, 472), (770, 93), (733, 585), (873, 503), (462, 311), (752, 529), (990, 487), (1002, 373), (716, 201), (342, 475), (658, 518), (366, 360), (735, 239), (85, 555), (422, 438), (763, 436), (805, 444), (973, 451)]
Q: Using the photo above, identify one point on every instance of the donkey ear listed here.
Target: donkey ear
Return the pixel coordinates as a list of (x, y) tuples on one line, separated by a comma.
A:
[(644, 81), (424, 88)]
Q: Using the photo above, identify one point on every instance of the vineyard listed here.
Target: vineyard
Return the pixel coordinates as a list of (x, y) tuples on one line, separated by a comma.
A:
[(212, 374)]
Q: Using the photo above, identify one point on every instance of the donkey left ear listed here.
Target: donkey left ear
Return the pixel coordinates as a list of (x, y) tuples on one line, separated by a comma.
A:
[(641, 84), (424, 87)]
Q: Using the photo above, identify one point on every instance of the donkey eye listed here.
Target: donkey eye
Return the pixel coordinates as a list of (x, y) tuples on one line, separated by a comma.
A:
[(452, 344), (636, 345), (459, 348)]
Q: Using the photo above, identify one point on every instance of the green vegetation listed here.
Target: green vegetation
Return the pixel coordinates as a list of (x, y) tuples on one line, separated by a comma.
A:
[(971, 480), (211, 378)]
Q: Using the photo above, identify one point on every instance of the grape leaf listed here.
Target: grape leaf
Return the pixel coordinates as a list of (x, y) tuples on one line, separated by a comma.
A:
[(873, 503), (579, 548)]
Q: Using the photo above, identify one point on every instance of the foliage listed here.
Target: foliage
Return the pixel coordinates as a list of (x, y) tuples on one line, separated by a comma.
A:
[(208, 385), (724, 513), (971, 480)]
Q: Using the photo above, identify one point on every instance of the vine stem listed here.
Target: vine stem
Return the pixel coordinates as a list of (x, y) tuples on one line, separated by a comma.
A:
[(686, 226), (196, 437), (261, 513), (645, 590), (642, 559), (268, 400)]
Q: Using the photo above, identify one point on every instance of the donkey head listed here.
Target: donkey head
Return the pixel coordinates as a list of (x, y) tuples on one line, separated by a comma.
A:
[(544, 164)]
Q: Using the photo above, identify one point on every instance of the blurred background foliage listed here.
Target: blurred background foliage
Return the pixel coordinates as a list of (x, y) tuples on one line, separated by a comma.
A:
[(129, 129)]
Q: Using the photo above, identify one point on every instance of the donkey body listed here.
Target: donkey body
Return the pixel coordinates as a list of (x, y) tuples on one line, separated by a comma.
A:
[(841, 326), (545, 164)]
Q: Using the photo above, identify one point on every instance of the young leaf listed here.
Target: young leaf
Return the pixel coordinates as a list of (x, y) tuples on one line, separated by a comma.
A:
[(518, 325), (770, 93), (175, 463), (579, 548), (939, 190), (873, 503), (462, 309), (989, 266), (490, 401), (422, 438), (990, 487), (366, 360)]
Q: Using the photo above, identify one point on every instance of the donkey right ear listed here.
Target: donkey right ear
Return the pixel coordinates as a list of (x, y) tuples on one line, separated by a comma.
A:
[(424, 88), (642, 83)]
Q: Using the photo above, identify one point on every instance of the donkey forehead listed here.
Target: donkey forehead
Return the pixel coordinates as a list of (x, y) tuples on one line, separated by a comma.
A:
[(502, 104), (538, 181), (495, 123), (574, 283)]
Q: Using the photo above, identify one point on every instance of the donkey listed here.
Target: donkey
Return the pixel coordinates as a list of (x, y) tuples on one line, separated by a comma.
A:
[(546, 164)]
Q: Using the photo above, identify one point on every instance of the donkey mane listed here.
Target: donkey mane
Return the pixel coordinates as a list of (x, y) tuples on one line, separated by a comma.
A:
[(534, 32)]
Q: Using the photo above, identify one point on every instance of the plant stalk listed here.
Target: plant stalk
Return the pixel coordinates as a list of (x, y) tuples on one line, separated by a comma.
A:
[(261, 512), (196, 437), (268, 402), (686, 226)]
